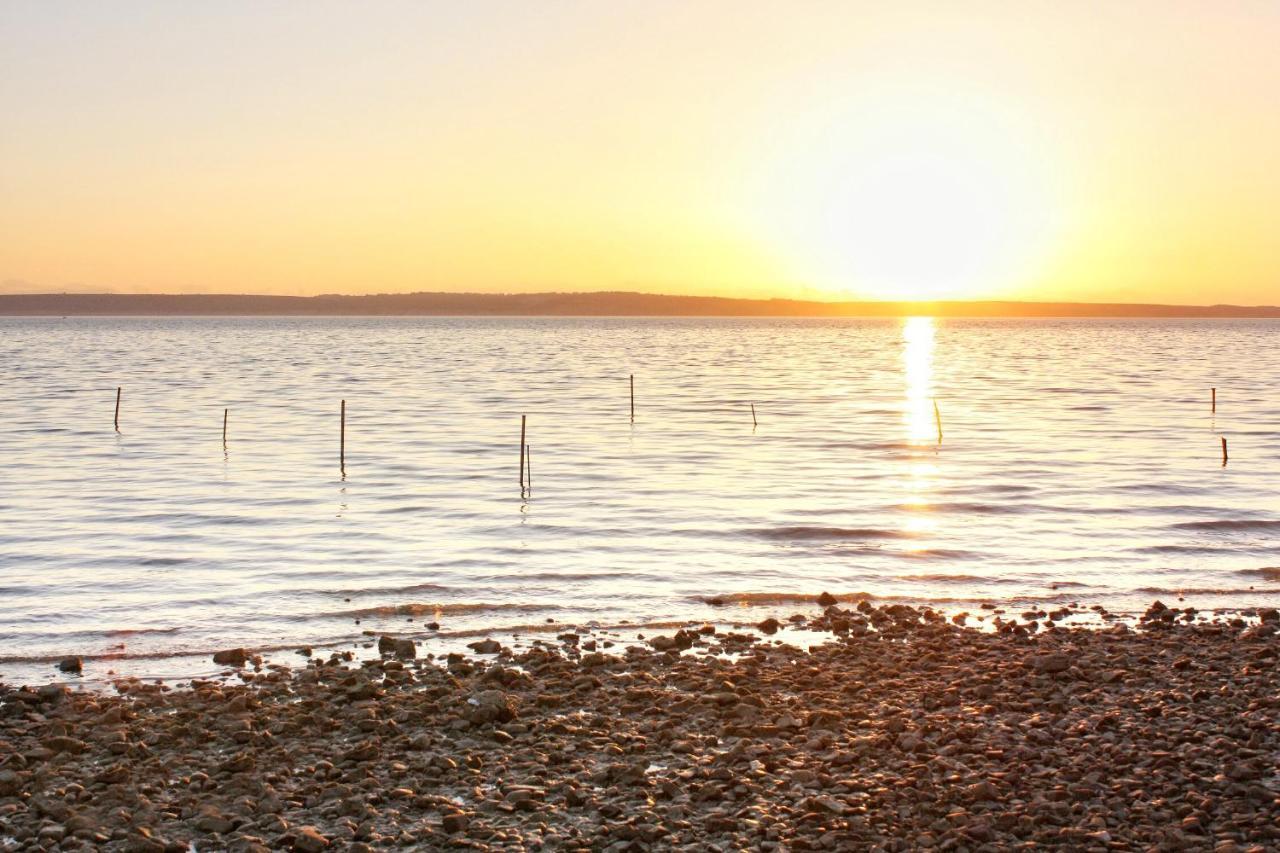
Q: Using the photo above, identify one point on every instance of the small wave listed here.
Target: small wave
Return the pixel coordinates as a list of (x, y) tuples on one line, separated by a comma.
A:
[(559, 627), (132, 632), (1180, 549), (933, 554), (945, 578), (1157, 590), (755, 599), (1008, 488), (829, 533), (161, 654), (975, 508), (346, 642), (191, 519), (1161, 489), (765, 599), (581, 576), (415, 609), (1267, 573), (875, 445), (163, 561), (385, 590), (1230, 524)]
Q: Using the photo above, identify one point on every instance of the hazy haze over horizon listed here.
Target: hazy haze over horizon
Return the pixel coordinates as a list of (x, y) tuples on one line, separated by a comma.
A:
[(856, 151)]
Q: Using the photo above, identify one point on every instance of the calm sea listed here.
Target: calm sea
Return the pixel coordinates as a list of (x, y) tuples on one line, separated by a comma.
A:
[(1079, 461)]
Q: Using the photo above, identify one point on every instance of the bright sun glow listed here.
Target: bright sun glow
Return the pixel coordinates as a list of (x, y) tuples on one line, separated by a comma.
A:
[(950, 202)]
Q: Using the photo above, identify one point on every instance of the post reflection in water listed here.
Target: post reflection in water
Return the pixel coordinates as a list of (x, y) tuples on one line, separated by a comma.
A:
[(918, 418)]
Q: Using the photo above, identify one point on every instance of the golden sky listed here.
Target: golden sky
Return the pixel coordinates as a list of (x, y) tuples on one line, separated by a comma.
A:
[(1125, 151)]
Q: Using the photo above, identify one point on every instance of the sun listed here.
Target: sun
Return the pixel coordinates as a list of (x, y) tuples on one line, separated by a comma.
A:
[(939, 203)]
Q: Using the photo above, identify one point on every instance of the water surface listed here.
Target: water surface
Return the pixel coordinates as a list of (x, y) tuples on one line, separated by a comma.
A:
[(1079, 461)]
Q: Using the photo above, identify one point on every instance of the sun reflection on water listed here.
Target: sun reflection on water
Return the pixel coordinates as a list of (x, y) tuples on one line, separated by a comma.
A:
[(918, 418), (917, 362)]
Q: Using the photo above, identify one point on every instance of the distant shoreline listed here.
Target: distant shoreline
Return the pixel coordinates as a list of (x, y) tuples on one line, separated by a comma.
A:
[(596, 304)]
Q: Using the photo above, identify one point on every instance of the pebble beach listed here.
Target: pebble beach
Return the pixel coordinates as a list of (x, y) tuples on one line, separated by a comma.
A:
[(902, 731)]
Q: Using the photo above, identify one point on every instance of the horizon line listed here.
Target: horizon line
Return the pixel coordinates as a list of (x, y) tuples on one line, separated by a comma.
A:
[(581, 303)]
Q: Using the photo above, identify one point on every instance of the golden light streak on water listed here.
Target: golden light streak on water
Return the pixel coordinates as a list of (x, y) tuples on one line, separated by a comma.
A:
[(917, 363), (918, 415)]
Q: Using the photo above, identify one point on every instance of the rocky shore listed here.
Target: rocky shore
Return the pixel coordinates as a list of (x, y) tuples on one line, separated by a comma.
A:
[(903, 731)]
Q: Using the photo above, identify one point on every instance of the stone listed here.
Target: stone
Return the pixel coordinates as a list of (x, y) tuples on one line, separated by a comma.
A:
[(485, 647), (827, 599), (309, 840), (909, 742), (490, 706), (980, 791), (769, 626), (406, 649), (213, 821), (71, 664), (1052, 663), (682, 640), (114, 774), (63, 743), (825, 804), (52, 693), (919, 733), (231, 657)]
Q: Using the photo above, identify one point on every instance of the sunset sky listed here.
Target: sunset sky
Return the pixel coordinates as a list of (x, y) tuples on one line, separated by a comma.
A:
[(1061, 151)]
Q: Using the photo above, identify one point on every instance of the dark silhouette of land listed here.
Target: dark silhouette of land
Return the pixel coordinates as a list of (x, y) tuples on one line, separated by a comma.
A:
[(600, 304)]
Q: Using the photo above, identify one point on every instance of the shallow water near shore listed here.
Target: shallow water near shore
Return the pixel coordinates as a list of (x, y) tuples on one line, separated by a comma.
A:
[(1079, 462)]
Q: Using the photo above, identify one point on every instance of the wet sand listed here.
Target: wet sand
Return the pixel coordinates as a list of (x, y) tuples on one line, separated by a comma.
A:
[(903, 731)]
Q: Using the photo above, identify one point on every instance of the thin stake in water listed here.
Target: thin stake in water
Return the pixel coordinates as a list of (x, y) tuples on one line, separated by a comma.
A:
[(1224, 450), (937, 417), (633, 398), (342, 440), (754, 422), (1213, 399), (522, 456), (224, 428), (118, 390)]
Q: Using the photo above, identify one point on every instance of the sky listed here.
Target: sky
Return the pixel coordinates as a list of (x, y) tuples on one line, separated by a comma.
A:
[(1119, 152)]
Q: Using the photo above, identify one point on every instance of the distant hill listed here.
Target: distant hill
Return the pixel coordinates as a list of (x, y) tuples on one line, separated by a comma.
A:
[(601, 304)]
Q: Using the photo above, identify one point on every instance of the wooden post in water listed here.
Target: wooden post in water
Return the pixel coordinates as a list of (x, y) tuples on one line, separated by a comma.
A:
[(937, 417), (1224, 450), (1213, 399), (754, 422), (633, 398), (224, 427), (522, 456), (118, 389), (342, 439)]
